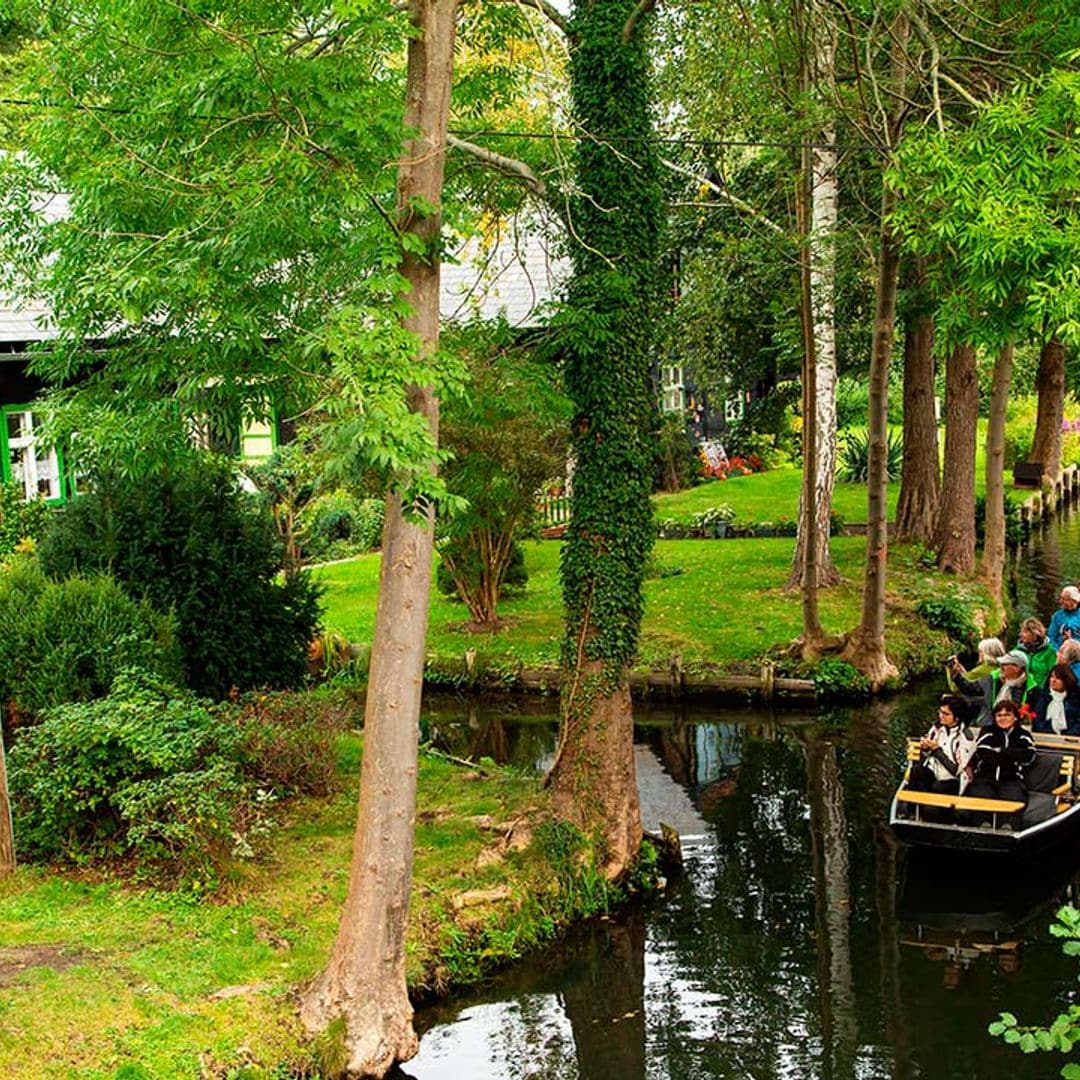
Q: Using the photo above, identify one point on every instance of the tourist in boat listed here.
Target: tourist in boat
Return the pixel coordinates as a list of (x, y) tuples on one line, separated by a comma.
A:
[(1003, 751), (945, 751), (1069, 653), (1010, 682), (990, 651), (1042, 656), (1065, 623), (1057, 705)]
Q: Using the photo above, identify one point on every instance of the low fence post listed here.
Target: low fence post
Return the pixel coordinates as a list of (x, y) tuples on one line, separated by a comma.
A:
[(7, 833)]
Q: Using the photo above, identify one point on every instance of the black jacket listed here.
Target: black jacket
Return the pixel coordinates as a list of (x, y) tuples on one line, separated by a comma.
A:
[(1002, 755)]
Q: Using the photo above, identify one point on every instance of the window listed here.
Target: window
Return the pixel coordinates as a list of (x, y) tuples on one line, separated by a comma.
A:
[(38, 472), (672, 388)]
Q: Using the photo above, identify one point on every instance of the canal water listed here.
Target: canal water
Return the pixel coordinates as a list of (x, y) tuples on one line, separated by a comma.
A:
[(800, 943)]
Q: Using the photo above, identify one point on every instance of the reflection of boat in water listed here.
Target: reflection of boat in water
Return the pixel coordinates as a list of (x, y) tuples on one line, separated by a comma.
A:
[(1051, 817), (956, 918)]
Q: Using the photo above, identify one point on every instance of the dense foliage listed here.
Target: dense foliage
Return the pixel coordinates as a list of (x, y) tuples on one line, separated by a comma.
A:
[(154, 773), (67, 640), (20, 519), (188, 540)]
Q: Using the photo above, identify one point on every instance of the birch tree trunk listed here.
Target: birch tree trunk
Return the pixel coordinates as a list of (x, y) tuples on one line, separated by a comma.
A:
[(1046, 446), (824, 197), (364, 981), (7, 832), (955, 536), (920, 486), (993, 566)]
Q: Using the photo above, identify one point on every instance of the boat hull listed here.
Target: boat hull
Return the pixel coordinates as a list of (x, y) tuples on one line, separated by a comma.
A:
[(1060, 830)]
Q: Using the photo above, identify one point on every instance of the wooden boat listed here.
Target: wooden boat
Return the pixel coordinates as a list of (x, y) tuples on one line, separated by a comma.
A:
[(1051, 817)]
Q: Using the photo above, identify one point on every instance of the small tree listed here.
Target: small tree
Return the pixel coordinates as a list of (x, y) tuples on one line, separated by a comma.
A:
[(506, 439)]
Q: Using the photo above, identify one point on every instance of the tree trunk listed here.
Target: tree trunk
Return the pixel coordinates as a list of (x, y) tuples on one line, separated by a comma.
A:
[(920, 488), (1046, 446), (813, 634), (832, 905), (7, 833), (993, 566), (865, 648), (364, 981), (593, 780), (617, 286), (955, 537), (821, 229)]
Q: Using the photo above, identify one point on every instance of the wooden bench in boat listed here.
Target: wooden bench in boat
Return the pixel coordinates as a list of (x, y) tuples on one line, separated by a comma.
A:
[(960, 802)]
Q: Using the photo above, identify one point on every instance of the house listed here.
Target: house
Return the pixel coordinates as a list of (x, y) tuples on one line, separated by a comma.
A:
[(512, 272)]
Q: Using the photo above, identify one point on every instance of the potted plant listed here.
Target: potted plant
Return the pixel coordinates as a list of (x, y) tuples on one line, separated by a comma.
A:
[(671, 529), (764, 528), (714, 520)]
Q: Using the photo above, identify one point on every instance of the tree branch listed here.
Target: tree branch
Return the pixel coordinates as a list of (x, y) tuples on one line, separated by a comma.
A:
[(640, 11), (724, 193), (547, 9), (506, 165)]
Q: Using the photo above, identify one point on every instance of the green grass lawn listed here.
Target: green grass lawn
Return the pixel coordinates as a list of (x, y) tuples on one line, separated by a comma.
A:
[(764, 497), (728, 605), (775, 494), (99, 981)]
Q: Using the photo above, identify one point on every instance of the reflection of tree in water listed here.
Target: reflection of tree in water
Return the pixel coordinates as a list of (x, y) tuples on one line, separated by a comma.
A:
[(832, 896), (731, 980)]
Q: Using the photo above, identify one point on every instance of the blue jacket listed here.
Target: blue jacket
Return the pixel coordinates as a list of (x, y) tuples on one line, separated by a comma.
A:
[(1060, 620)]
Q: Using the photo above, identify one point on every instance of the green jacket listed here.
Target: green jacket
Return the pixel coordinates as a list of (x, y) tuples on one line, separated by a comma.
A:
[(1040, 662)]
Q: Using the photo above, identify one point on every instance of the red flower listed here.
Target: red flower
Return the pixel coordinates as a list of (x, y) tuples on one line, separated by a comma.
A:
[(1027, 712)]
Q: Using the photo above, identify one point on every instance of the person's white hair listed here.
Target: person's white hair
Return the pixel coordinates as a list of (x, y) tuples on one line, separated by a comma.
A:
[(1072, 592), (990, 648)]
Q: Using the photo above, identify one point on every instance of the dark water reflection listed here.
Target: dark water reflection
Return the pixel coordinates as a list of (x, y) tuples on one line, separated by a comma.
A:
[(800, 943)]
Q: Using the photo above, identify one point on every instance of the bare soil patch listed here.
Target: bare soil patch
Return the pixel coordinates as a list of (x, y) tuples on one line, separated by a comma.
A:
[(15, 961)]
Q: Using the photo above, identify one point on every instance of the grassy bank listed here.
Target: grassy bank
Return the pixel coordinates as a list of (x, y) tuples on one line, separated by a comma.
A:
[(724, 609), (100, 981)]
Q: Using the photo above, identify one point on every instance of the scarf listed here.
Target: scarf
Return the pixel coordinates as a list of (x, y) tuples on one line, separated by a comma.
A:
[(1055, 712), (1005, 690)]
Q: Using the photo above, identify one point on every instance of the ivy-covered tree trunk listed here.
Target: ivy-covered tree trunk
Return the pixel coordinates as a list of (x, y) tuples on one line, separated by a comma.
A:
[(613, 304), (920, 485), (955, 536), (1046, 446), (993, 566), (364, 981)]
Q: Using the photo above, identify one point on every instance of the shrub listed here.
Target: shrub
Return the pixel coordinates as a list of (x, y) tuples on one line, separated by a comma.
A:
[(337, 524), (153, 773), (67, 640), (951, 614), (853, 456), (20, 520), (514, 581), (188, 540)]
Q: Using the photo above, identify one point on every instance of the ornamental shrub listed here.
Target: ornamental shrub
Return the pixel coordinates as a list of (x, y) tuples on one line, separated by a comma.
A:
[(853, 456), (188, 540), (67, 640), (154, 774), (20, 519), (337, 524)]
